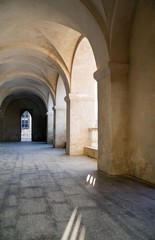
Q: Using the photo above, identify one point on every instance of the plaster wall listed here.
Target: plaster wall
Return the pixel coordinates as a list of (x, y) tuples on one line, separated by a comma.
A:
[(142, 92), (84, 66)]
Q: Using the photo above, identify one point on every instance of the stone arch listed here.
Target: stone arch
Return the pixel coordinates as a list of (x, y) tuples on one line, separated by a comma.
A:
[(13, 106), (73, 16), (47, 57), (82, 98), (15, 89)]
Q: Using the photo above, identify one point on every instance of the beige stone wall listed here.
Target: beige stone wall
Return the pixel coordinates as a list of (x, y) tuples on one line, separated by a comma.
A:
[(142, 93)]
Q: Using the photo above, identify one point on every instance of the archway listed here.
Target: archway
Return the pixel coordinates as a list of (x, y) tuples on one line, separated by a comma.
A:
[(26, 127), (82, 101), (14, 106)]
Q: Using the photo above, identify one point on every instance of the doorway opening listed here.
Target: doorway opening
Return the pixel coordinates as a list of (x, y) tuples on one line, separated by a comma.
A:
[(26, 127)]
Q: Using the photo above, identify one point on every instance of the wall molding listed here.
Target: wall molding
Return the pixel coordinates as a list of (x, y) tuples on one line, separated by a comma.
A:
[(118, 68), (78, 96), (102, 73)]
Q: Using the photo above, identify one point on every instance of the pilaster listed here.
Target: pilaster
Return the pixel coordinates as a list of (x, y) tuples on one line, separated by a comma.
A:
[(113, 117), (60, 126), (103, 78), (50, 126)]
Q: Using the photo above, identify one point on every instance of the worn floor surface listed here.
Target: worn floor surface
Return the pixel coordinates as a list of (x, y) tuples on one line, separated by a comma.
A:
[(40, 187)]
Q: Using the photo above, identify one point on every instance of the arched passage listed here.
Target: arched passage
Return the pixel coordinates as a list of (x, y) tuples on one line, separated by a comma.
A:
[(82, 100), (13, 107)]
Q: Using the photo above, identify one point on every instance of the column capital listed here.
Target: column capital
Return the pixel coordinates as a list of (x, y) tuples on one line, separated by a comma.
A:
[(78, 96), (111, 68), (59, 108), (101, 73), (67, 99), (118, 68), (54, 108)]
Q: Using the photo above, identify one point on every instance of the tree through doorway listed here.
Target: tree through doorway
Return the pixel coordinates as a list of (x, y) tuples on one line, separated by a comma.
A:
[(26, 127)]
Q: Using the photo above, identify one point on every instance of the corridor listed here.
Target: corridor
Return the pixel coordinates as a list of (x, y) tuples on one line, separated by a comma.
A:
[(40, 187)]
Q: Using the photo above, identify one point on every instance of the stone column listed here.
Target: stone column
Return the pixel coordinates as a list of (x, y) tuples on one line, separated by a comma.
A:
[(120, 116), (1, 124), (67, 100), (79, 120), (50, 127), (113, 118), (102, 75), (60, 127)]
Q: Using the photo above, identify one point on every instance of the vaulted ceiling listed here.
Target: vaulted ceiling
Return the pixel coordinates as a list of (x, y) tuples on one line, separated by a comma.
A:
[(38, 40)]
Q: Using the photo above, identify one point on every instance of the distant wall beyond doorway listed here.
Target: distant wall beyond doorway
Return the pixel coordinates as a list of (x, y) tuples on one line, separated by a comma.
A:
[(26, 127)]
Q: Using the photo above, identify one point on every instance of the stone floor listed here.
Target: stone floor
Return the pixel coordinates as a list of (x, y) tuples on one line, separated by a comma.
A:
[(40, 187)]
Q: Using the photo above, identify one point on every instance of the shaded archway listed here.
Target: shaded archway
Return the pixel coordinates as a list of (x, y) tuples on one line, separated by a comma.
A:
[(13, 107)]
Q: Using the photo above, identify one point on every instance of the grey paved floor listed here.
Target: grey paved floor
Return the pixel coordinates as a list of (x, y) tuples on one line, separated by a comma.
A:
[(40, 187)]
